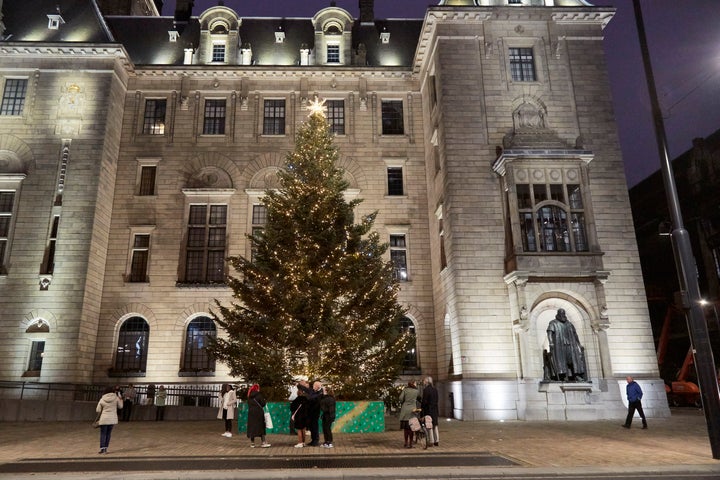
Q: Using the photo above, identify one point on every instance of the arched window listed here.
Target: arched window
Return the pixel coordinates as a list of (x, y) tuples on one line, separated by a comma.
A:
[(196, 359), (132, 345), (410, 363)]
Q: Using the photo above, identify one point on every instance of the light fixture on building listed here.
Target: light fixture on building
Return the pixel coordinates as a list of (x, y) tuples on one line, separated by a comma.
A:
[(385, 36), (279, 35), (55, 19), (173, 35)]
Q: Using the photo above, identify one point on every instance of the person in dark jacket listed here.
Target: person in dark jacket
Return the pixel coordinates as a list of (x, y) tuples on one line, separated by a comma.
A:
[(256, 416), (327, 406), (299, 416), (313, 396), (634, 396), (429, 406)]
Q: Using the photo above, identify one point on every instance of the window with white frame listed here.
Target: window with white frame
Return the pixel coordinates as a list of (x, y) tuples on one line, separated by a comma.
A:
[(132, 346), (218, 52), (154, 117), (196, 359), (333, 53), (552, 217), (214, 118), (398, 257), (336, 116), (205, 250), (13, 99), (522, 65), (274, 117)]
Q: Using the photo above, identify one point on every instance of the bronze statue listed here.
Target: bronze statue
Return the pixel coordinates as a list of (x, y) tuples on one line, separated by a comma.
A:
[(566, 359)]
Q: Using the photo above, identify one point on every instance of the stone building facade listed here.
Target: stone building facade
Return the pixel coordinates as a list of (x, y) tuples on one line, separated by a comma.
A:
[(134, 150)]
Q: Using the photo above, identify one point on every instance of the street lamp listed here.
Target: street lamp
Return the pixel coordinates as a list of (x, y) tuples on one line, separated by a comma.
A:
[(685, 263)]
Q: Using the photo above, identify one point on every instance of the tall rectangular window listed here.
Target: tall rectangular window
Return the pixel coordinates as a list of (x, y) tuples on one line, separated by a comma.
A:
[(154, 119), (392, 117), (214, 121), (336, 116), (398, 257), (37, 351), (139, 261), (147, 180), (7, 199), (13, 99), (522, 65), (205, 253), (48, 266), (395, 181), (274, 117), (333, 53), (218, 52), (259, 219)]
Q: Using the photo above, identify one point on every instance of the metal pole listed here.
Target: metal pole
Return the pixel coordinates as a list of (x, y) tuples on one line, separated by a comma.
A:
[(685, 264)]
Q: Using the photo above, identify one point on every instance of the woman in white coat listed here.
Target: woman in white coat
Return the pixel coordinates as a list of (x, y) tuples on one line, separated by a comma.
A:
[(228, 403), (107, 407)]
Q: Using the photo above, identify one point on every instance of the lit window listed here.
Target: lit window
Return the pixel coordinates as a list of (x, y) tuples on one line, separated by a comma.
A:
[(336, 116), (392, 117), (333, 53), (214, 120), (274, 117), (205, 252), (139, 259), (522, 65), (395, 181), (197, 337), (552, 218), (218, 52), (132, 345), (154, 120), (398, 257), (13, 100)]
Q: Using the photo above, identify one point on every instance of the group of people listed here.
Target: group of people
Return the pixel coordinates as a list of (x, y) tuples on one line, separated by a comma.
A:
[(410, 399), (307, 409)]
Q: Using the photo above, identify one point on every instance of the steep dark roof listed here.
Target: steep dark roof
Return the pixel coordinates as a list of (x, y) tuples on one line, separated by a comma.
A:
[(27, 21), (147, 41)]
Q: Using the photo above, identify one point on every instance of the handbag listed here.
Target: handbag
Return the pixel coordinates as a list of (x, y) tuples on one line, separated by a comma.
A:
[(268, 418), (96, 422)]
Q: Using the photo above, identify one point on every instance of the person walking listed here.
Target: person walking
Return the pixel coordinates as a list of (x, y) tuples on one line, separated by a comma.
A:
[(160, 400), (313, 396), (408, 403), (128, 401), (298, 417), (327, 407), (108, 407), (256, 416), (429, 406), (226, 411), (634, 397)]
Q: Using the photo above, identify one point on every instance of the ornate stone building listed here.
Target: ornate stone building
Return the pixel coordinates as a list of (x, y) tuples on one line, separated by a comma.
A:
[(134, 150)]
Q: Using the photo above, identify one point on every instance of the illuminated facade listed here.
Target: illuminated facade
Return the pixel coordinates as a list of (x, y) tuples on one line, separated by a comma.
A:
[(134, 150)]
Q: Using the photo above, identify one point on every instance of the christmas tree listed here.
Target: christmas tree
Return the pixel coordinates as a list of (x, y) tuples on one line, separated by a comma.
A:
[(316, 299)]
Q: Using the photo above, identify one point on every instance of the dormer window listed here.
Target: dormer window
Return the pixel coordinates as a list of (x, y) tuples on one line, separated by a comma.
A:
[(279, 37), (333, 53), (385, 37), (218, 52), (219, 29), (54, 21), (173, 35)]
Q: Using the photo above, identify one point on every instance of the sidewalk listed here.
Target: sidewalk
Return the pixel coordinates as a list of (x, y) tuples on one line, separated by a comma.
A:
[(678, 441)]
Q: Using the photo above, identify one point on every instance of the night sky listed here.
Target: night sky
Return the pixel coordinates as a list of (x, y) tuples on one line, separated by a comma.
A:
[(684, 43)]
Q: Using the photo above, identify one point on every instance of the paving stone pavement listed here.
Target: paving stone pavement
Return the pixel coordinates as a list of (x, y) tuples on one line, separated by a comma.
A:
[(676, 442)]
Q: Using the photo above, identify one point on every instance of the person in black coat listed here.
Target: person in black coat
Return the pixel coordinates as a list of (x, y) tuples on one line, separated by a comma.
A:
[(313, 397), (327, 406), (299, 417), (429, 406), (256, 416)]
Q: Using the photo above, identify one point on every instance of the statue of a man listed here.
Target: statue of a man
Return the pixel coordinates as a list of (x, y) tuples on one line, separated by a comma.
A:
[(566, 353)]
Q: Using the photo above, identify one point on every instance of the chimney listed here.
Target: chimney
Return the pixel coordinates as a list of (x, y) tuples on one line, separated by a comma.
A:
[(183, 10), (367, 11)]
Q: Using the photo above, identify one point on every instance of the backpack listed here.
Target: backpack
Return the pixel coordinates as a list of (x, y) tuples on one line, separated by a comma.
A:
[(414, 424)]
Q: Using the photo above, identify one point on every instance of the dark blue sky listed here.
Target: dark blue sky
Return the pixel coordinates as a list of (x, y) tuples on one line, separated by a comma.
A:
[(684, 44)]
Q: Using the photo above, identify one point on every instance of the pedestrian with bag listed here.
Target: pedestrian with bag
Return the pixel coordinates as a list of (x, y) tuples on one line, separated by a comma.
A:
[(107, 409), (299, 417), (256, 416), (408, 403), (429, 405)]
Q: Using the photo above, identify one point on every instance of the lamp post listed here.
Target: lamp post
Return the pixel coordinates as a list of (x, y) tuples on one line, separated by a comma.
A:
[(685, 264)]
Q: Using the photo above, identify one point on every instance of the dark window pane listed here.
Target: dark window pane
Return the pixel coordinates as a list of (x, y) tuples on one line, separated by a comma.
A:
[(552, 222), (13, 100), (274, 117), (154, 120), (575, 196), (527, 230), (214, 122), (132, 345), (523, 195), (522, 65), (147, 180), (395, 181), (336, 116), (392, 117), (195, 357), (36, 356)]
